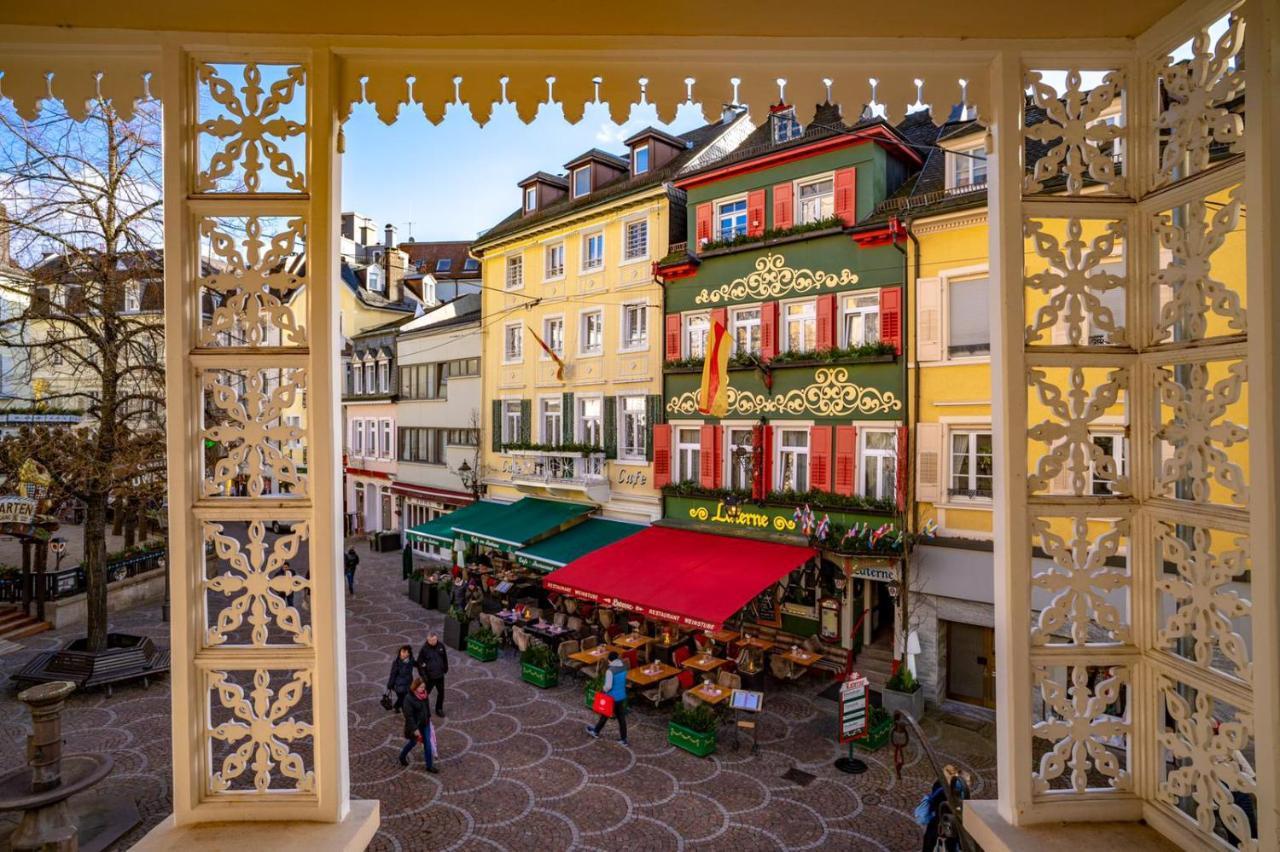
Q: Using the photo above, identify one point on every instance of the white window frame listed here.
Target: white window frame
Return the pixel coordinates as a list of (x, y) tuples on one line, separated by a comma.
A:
[(558, 437), (509, 281), (784, 342), (372, 272), (679, 448), (584, 260), (550, 273), (640, 309), (512, 417), (961, 161), (637, 453), (370, 377), (507, 357), (729, 429), (801, 469), (627, 256), (579, 433), (357, 378), (530, 199), (386, 434), (635, 159), (384, 376), (717, 233), (949, 277), (547, 337), (849, 307), (582, 332), (573, 181), (357, 437), (775, 121), (686, 340), (132, 297), (735, 328), (1120, 452), (796, 216), (972, 431), (863, 460)]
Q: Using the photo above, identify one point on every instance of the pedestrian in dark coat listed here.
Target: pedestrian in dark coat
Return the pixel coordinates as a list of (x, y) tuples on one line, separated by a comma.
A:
[(349, 563), (402, 675), (417, 724), (433, 665)]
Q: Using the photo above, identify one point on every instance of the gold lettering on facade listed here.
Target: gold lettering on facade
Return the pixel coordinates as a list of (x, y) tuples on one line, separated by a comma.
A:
[(772, 279)]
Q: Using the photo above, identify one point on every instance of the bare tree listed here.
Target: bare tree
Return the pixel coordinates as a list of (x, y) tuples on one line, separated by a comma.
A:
[(82, 214)]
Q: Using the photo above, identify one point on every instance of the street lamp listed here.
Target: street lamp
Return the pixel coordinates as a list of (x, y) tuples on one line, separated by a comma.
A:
[(469, 476)]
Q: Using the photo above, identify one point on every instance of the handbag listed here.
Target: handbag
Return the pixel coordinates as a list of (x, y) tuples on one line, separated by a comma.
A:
[(603, 704), (387, 701)]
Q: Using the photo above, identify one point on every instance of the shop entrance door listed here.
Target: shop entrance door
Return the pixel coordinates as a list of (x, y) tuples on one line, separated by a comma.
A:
[(971, 664)]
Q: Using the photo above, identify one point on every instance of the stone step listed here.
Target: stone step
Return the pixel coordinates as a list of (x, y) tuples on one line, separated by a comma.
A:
[(15, 624)]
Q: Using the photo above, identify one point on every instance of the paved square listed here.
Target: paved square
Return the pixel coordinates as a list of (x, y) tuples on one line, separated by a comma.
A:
[(518, 771)]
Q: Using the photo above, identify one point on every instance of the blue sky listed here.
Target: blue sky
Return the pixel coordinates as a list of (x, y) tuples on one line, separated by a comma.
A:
[(456, 179)]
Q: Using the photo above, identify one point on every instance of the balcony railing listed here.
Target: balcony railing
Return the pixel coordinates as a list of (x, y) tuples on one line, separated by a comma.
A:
[(577, 471)]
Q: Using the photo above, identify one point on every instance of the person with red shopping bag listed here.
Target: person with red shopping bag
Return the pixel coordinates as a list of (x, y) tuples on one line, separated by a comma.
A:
[(417, 724), (612, 697)]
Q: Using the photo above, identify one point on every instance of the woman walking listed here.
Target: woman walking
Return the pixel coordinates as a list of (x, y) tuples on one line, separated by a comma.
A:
[(417, 724), (401, 677)]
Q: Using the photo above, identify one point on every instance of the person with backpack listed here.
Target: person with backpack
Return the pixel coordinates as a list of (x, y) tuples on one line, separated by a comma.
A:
[(349, 563), (615, 686), (934, 812), (402, 675), (417, 724)]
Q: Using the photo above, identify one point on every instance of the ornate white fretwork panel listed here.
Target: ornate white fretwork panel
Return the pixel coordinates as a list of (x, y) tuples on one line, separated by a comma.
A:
[(1201, 430), (1069, 406), (258, 589), (253, 424), (256, 740), (1076, 135), (1084, 578), (251, 128), (252, 275), (1085, 728)]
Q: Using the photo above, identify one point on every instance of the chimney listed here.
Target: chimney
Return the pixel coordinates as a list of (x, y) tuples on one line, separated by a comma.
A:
[(396, 263), (391, 236)]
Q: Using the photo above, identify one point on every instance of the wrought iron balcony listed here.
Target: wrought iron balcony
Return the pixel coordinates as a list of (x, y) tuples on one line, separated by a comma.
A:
[(567, 470)]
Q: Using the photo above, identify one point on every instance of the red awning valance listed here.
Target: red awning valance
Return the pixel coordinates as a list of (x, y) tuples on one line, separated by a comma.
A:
[(692, 578)]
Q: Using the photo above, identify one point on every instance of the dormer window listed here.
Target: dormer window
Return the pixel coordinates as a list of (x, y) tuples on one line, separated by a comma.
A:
[(444, 264), (581, 181), (785, 125), (471, 265), (967, 167), (132, 297), (531, 199), (640, 159), (374, 280)]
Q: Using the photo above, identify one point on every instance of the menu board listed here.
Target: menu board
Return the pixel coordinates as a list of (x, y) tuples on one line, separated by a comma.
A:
[(853, 708), (765, 607)]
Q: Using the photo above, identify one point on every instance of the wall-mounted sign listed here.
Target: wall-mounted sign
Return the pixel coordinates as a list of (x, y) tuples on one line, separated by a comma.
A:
[(829, 619), (853, 708), (17, 510), (799, 610), (754, 517), (883, 572)]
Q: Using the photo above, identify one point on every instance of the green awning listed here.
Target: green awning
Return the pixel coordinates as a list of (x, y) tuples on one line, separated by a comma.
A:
[(440, 530), (520, 524), (563, 548)]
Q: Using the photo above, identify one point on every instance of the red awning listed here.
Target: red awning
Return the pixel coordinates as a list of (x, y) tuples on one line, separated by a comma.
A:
[(693, 578)]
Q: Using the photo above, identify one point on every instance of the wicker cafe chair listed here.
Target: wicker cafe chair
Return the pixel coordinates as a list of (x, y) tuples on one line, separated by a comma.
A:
[(729, 681), (567, 647), (575, 624), (559, 619), (605, 617), (589, 643), (520, 638), (691, 701), (781, 668), (666, 690), (812, 645)]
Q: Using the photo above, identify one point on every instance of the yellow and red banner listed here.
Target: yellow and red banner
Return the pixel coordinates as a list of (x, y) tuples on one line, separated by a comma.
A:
[(551, 352), (715, 372)]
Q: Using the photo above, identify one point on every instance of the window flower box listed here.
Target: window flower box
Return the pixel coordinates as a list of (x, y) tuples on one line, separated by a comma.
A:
[(698, 743)]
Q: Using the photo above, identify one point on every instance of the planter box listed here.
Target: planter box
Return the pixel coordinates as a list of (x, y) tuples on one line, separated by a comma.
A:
[(695, 743), (907, 702), (442, 600), (485, 652), (455, 634), (541, 678), (877, 736), (428, 596), (415, 590)]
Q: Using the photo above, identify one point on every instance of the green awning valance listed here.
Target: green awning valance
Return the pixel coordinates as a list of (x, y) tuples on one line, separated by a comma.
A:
[(517, 525), (561, 549), (440, 530)]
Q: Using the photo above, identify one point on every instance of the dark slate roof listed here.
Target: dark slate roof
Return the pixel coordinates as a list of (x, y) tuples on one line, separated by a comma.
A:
[(656, 133), (373, 300), (697, 139), (423, 257), (597, 154), (546, 177)]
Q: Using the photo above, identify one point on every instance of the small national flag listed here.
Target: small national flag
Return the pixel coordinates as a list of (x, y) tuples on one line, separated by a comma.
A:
[(715, 372), (551, 352)]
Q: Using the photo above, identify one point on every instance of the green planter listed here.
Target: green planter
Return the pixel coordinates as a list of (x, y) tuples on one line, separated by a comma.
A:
[(694, 742), (877, 736), (538, 676), (589, 692), (485, 652)]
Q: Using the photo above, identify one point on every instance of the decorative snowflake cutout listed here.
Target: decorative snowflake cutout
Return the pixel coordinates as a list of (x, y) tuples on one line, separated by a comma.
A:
[(1068, 434), (1196, 434), (1196, 91), (1083, 733), (261, 734), (255, 284), (250, 128), (254, 431), (1076, 132), (1206, 763), (1189, 279), (1074, 278), (1080, 581), (1202, 592), (261, 585)]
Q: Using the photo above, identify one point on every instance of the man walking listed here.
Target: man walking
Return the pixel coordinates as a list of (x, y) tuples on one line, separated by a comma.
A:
[(615, 686), (433, 665), (349, 563)]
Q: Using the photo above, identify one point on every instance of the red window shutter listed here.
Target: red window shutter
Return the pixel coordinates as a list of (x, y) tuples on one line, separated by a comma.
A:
[(718, 315), (717, 441), (702, 215), (768, 330), (673, 337), (847, 195), (820, 458), (707, 456), (661, 455), (783, 206), (891, 317), (900, 487), (755, 212), (846, 465), (762, 461), (826, 322)]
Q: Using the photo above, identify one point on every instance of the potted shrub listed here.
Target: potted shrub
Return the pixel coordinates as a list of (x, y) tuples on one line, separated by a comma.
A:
[(444, 593), (415, 586), (593, 686), (879, 726), (482, 645), (902, 692), (428, 596), (455, 629), (539, 666), (693, 730)]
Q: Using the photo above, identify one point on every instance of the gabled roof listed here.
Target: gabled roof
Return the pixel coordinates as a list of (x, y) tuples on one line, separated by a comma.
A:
[(597, 154), (657, 134), (425, 257), (369, 298), (545, 177)]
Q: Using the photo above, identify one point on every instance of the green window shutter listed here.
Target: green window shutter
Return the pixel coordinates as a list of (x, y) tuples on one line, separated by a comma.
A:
[(526, 420), (652, 417), (611, 427), (496, 442), (566, 418)]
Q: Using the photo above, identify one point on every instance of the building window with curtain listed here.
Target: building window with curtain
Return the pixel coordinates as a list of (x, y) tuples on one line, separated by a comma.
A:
[(879, 464), (746, 331), (971, 465), (860, 319), (591, 421), (968, 323), (632, 423), (511, 421), (551, 420), (688, 454), (738, 456), (800, 326), (793, 460), (696, 327)]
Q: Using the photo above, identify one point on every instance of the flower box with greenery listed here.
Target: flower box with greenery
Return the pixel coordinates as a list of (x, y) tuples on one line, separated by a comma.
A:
[(444, 593), (870, 353), (879, 726), (593, 686), (693, 730), (816, 500), (482, 645), (902, 692), (834, 224), (539, 666), (455, 629), (569, 448)]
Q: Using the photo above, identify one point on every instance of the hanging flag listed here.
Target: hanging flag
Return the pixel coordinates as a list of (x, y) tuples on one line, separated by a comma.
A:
[(715, 372), (551, 352)]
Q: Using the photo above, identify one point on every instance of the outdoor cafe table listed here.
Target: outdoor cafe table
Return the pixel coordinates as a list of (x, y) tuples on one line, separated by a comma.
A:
[(723, 637), (703, 662), (648, 675), (801, 657), (632, 641), (710, 693), (757, 643), (592, 656)]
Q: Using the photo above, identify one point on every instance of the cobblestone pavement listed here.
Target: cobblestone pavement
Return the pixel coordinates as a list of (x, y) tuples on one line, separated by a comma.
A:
[(517, 770)]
